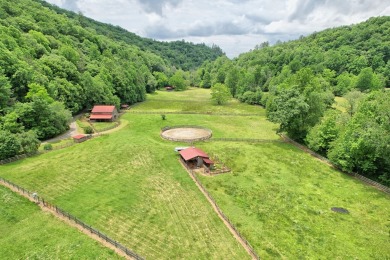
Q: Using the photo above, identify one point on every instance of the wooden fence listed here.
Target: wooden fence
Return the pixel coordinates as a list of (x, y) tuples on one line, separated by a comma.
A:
[(253, 252), (223, 167), (190, 113), (322, 158), (78, 222), (249, 140)]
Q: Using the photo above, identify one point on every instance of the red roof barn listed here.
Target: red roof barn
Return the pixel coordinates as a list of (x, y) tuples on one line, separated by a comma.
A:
[(104, 113), (191, 153), (195, 156)]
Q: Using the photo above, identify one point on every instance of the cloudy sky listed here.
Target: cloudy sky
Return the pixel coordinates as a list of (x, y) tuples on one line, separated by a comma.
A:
[(235, 25)]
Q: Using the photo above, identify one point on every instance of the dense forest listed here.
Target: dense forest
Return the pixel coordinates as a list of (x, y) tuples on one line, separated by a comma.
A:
[(298, 81), (55, 63), (183, 55)]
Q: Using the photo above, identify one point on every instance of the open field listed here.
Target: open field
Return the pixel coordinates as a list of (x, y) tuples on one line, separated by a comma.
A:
[(28, 233), (281, 199), (131, 186), (193, 100)]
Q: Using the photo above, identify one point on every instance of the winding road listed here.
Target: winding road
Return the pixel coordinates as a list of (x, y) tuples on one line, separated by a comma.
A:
[(71, 132)]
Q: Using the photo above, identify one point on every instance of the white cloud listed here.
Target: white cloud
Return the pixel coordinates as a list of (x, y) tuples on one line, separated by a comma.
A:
[(235, 25)]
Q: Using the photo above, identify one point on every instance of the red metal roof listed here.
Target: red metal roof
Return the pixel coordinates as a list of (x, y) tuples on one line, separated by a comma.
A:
[(98, 116), (103, 109), (78, 137), (192, 152), (208, 161)]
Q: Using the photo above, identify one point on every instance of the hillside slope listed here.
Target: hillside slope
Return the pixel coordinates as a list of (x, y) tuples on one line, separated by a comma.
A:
[(181, 54)]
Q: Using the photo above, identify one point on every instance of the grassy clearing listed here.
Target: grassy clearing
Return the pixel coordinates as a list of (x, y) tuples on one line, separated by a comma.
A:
[(222, 126), (99, 126), (280, 198), (82, 123), (193, 100), (29, 233), (130, 185)]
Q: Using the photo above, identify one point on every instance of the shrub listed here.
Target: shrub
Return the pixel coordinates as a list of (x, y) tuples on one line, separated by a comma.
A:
[(163, 117), (88, 130), (252, 98), (48, 147)]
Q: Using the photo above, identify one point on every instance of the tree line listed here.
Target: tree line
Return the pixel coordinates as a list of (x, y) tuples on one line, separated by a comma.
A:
[(297, 82)]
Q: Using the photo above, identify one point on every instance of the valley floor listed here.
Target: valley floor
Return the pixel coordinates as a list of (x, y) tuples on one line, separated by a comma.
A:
[(130, 185)]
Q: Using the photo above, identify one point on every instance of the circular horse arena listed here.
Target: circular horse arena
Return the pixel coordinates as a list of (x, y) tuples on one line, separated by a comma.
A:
[(186, 134)]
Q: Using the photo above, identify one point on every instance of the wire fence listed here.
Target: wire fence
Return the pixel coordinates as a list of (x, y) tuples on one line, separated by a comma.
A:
[(231, 225), (69, 216), (324, 159)]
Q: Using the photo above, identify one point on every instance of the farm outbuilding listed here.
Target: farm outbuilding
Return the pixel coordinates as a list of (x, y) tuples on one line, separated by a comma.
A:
[(195, 157), (79, 138), (104, 113)]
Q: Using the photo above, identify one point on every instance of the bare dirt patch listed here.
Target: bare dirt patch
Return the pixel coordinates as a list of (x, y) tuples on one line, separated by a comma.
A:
[(186, 134)]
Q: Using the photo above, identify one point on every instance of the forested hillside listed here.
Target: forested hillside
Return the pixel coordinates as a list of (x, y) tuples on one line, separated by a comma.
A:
[(181, 54), (297, 82), (55, 63)]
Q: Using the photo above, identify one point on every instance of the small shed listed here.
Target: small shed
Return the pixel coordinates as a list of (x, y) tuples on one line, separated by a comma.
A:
[(195, 157), (79, 138), (104, 113), (209, 163)]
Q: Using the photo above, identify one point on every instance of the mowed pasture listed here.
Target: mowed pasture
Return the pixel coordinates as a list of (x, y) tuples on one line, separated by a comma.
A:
[(193, 100), (130, 185), (29, 233)]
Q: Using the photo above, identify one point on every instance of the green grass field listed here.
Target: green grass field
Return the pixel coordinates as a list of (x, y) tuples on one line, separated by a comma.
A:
[(281, 199), (101, 126), (193, 100), (29, 233), (130, 185)]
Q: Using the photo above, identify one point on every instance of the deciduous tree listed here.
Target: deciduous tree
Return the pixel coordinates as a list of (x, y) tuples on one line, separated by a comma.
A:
[(220, 93)]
